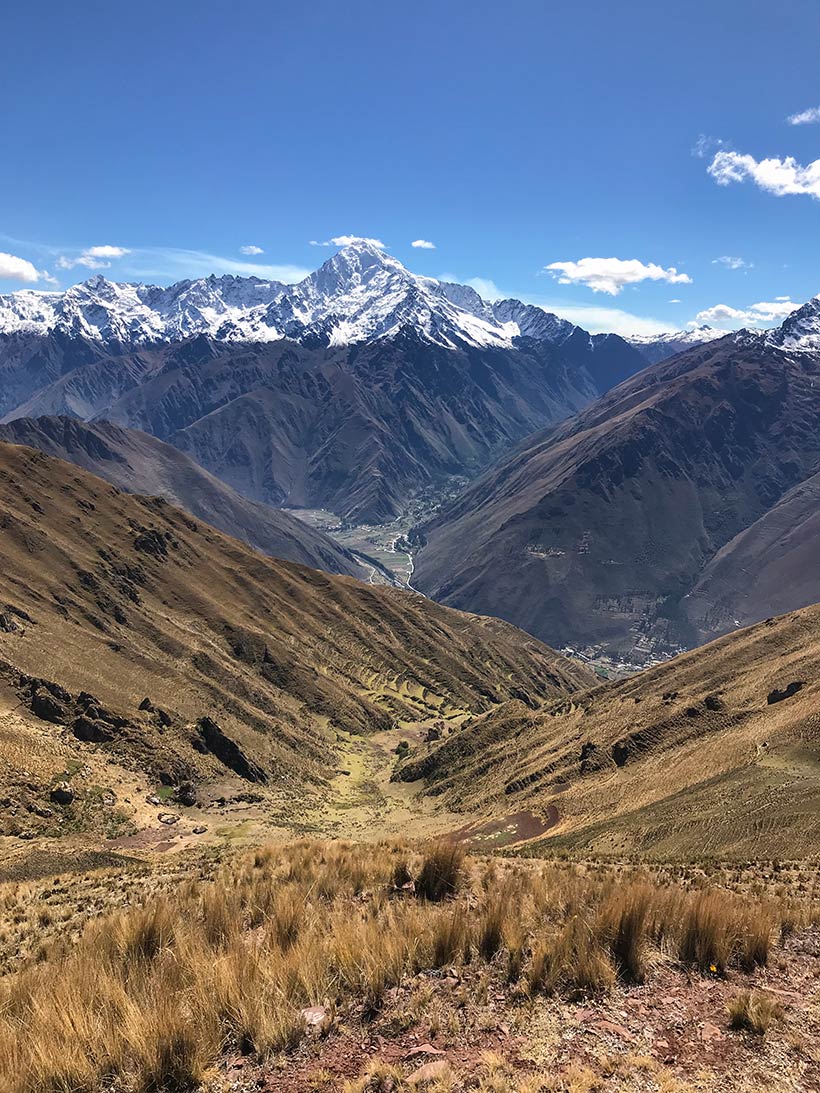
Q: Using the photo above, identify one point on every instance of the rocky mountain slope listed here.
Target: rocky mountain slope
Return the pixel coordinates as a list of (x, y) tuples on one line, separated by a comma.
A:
[(716, 753), (139, 463), (350, 391), (598, 532), (133, 635)]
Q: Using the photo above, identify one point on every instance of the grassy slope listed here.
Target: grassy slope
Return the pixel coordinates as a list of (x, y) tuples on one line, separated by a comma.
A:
[(337, 968), (687, 758)]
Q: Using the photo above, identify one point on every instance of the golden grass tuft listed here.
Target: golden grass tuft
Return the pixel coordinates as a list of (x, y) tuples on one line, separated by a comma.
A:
[(754, 1012), (441, 871)]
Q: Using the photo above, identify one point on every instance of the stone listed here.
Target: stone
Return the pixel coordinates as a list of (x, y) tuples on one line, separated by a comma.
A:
[(168, 818), (185, 794), (90, 731), (48, 708), (314, 1015)]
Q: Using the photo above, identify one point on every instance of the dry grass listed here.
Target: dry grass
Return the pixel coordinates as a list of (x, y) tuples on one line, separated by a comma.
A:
[(754, 1011), (147, 998), (440, 873)]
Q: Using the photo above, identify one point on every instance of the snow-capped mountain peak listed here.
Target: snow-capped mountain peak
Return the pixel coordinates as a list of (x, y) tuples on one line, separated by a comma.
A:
[(657, 347), (800, 331)]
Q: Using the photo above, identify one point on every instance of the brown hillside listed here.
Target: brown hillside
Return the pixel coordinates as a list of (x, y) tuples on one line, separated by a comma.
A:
[(715, 752), (140, 463), (126, 598)]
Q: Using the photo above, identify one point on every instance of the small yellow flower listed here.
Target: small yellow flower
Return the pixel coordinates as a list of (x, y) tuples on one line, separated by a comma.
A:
[(712, 968)]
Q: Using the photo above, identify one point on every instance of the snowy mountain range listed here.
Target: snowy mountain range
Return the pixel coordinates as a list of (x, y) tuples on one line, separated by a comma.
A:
[(657, 347), (359, 295)]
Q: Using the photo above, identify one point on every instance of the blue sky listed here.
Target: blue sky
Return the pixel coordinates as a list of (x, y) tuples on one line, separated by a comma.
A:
[(513, 137)]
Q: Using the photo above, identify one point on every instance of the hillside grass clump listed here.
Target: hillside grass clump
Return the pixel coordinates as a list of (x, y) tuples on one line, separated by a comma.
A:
[(753, 1011), (148, 997), (441, 872)]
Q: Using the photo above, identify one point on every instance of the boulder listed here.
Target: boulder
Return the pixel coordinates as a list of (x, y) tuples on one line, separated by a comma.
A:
[(48, 708), (90, 731), (790, 690), (185, 794), (227, 751)]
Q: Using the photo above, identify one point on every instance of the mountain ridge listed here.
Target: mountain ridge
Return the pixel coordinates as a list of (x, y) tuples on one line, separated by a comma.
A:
[(596, 531), (361, 294), (139, 463)]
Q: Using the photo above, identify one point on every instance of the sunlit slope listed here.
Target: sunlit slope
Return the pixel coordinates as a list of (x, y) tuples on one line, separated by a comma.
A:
[(715, 752)]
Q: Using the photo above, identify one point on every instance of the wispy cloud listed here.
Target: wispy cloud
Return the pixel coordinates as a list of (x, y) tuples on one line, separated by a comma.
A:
[(607, 320), (486, 289), (705, 146), (805, 117), (776, 176), (93, 257), (163, 264), (731, 262), (177, 263), (347, 240), (13, 268), (251, 249), (423, 244), (610, 275), (763, 314)]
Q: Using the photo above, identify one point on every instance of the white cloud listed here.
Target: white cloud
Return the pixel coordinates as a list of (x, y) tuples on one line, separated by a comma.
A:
[(675, 301), (775, 176), (13, 268), (423, 244), (93, 257), (763, 314), (346, 240), (612, 274), (250, 249), (731, 263), (805, 117), (607, 320)]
